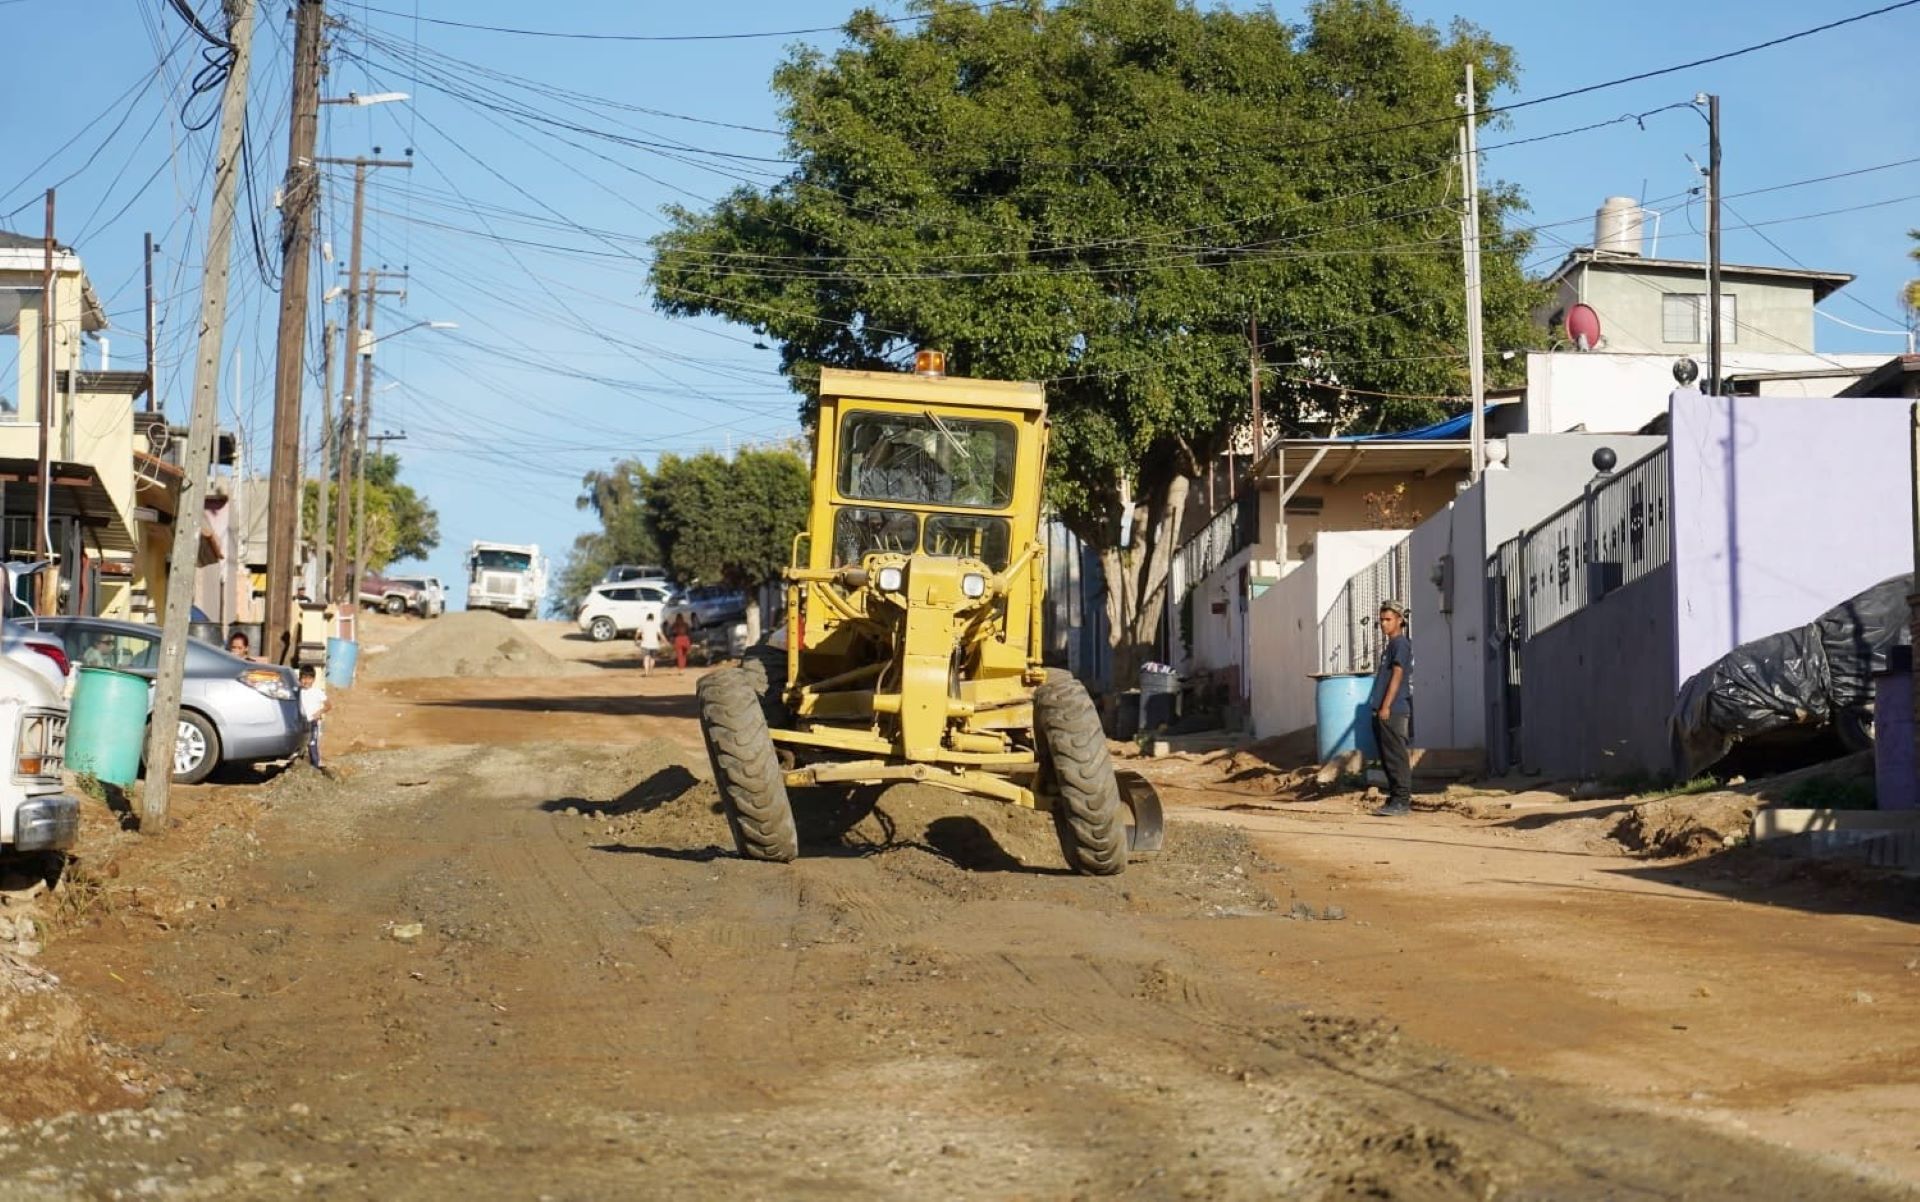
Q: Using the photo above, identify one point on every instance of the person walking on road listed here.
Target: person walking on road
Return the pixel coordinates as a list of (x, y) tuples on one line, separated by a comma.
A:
[(648, 636), (1391, 707), (682, 642)]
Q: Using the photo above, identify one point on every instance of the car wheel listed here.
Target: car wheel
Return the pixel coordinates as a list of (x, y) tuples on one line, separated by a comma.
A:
[(396, 606), (603, 630), (196, 749)]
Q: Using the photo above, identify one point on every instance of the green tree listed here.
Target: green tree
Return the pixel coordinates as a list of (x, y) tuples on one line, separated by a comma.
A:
[(1100, 194), (732, 522), (708, 519), (401, 524), (1912, 293), (615, 496)]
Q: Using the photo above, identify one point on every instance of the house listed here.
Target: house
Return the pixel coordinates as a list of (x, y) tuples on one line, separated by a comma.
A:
[(92, 529)]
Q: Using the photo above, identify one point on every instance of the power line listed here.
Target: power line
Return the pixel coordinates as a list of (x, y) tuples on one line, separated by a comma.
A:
[(674, 37)]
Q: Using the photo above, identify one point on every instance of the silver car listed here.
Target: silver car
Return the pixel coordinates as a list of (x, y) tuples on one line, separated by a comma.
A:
[(232, 710)]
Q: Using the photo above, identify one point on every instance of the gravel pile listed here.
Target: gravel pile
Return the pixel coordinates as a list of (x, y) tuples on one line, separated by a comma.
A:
[(477, 643)]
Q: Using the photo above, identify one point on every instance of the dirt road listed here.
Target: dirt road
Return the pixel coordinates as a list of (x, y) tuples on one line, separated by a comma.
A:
[(598, 1002)]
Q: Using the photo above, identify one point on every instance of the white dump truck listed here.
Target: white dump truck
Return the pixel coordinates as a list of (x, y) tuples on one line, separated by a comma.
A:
[(509, 577)]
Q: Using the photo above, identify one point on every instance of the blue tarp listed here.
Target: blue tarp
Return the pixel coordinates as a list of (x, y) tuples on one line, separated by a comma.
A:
[(1453, 427)]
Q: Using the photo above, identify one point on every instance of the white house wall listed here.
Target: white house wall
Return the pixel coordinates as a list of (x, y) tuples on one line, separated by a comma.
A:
[(1620, 392), (1285, 625)]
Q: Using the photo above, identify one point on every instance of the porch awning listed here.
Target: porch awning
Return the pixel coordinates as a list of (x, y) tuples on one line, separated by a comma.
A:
[(76, 493), (1334, 459)]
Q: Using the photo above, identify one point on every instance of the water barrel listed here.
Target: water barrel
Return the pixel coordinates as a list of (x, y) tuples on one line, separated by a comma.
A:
[(1158, 689), (342, 655), (106, 725), (209, 633), (1341, 722)]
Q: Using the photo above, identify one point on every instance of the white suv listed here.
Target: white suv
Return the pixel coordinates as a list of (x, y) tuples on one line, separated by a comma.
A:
[(612, 610)]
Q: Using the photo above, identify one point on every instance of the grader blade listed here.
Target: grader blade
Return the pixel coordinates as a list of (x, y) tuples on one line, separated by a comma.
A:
[(1148, 830)]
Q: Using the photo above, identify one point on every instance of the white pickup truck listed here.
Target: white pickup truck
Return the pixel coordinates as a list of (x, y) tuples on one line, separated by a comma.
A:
[(36, 813)]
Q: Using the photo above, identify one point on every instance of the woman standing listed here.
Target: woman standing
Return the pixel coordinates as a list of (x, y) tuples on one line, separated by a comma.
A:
[(682, 642)]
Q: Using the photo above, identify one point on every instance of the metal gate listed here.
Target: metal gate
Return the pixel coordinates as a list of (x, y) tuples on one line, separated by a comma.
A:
[(1506, 637)]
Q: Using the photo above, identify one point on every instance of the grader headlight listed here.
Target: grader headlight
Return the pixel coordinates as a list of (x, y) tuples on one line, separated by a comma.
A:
[(890, 579), (973, 585)]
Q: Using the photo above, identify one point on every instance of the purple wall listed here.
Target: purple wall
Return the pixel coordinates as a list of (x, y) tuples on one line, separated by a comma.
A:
[(1781, 509)]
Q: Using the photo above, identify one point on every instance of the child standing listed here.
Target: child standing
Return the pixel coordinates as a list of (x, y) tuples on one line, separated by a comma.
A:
[(648, 636), (313, 707)]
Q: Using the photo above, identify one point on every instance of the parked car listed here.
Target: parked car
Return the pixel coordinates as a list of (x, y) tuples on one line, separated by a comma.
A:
[(42, 653), (430, 596), (232, 710), (394, 595), (708, 605), (36, 812), (620, 573), (612, 610)]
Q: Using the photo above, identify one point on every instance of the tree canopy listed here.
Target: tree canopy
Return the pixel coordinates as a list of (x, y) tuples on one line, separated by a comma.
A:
[(401, 524), (706, 518), (1101, 194)]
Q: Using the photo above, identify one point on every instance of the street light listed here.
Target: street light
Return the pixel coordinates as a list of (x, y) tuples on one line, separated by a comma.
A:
[(358, 101), (366, 343)]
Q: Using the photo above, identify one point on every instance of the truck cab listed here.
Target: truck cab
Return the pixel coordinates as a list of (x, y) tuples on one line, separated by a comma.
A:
[(508, 577), (36, 813)]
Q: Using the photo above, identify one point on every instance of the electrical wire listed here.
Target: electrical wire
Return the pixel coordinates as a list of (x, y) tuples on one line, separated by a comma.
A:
[(675, 37)]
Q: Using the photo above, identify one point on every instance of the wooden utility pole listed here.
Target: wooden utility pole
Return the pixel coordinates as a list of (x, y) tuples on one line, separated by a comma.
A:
[(345, 591), (43, 481), (1713, 246), (1470, 254), (153, 386), (365, 416), (1253, 386), (322, 551), (298, 198), (163, 731)]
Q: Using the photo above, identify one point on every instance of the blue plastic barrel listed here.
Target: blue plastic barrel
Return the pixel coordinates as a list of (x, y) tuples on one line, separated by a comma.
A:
[(1341, 721), (342, 655), (107, 724)]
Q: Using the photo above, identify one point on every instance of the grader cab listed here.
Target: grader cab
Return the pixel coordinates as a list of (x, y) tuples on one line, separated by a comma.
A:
[(913, 629)]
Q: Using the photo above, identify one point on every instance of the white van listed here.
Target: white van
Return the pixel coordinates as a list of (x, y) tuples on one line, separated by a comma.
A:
[(612, 610)]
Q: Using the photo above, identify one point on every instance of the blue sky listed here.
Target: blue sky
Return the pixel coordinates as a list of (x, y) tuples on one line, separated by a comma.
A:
[(498, 435)]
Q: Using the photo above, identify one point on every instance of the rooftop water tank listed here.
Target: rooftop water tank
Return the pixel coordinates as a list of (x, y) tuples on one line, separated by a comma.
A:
[(1619, 226)]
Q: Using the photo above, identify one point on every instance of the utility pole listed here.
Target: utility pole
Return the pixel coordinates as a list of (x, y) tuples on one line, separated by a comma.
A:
[(1713, 246), (298, 198), (374, 292), (43, 487), (153, 387), (1253, 385), (345, 591), (163, 731), (322, 551), (1470, 253)]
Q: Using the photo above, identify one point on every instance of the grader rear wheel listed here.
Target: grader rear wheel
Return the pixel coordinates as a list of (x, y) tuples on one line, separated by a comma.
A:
[(1088, 812), (753, 793)]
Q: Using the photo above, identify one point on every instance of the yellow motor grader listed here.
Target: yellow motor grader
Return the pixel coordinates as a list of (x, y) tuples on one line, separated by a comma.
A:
[(913, 629)]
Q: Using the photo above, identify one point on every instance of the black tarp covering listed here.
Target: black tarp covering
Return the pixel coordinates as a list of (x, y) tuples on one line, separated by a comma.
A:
[(1815, 675)]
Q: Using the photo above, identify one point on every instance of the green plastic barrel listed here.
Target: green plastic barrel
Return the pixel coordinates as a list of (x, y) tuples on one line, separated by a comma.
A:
[(106, 725)]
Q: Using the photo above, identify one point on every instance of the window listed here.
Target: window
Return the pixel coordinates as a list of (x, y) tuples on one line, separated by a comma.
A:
[(1683, 317), (925, 459), (96, 648), (965, 536), (858, 532), (19, 385), (502, 561)]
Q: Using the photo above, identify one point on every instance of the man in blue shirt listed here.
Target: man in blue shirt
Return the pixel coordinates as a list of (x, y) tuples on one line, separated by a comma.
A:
[(1391, 706)]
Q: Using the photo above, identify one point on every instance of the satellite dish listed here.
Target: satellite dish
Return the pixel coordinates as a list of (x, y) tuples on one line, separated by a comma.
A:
[(1583, 326)]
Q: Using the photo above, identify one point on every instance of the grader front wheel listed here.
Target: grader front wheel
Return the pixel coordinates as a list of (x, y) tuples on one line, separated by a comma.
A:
[(1088, 811), (753, 793)]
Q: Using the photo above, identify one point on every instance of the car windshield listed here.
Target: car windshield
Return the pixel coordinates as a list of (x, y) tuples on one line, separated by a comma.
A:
[(502, 561), (926, 459)]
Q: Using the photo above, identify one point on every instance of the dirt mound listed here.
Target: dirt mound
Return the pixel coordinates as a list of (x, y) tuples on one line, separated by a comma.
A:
[(473, 643), (1685, 826)]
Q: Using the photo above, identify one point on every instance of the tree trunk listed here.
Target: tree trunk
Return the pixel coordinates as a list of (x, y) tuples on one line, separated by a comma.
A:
[(1136, 578)]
